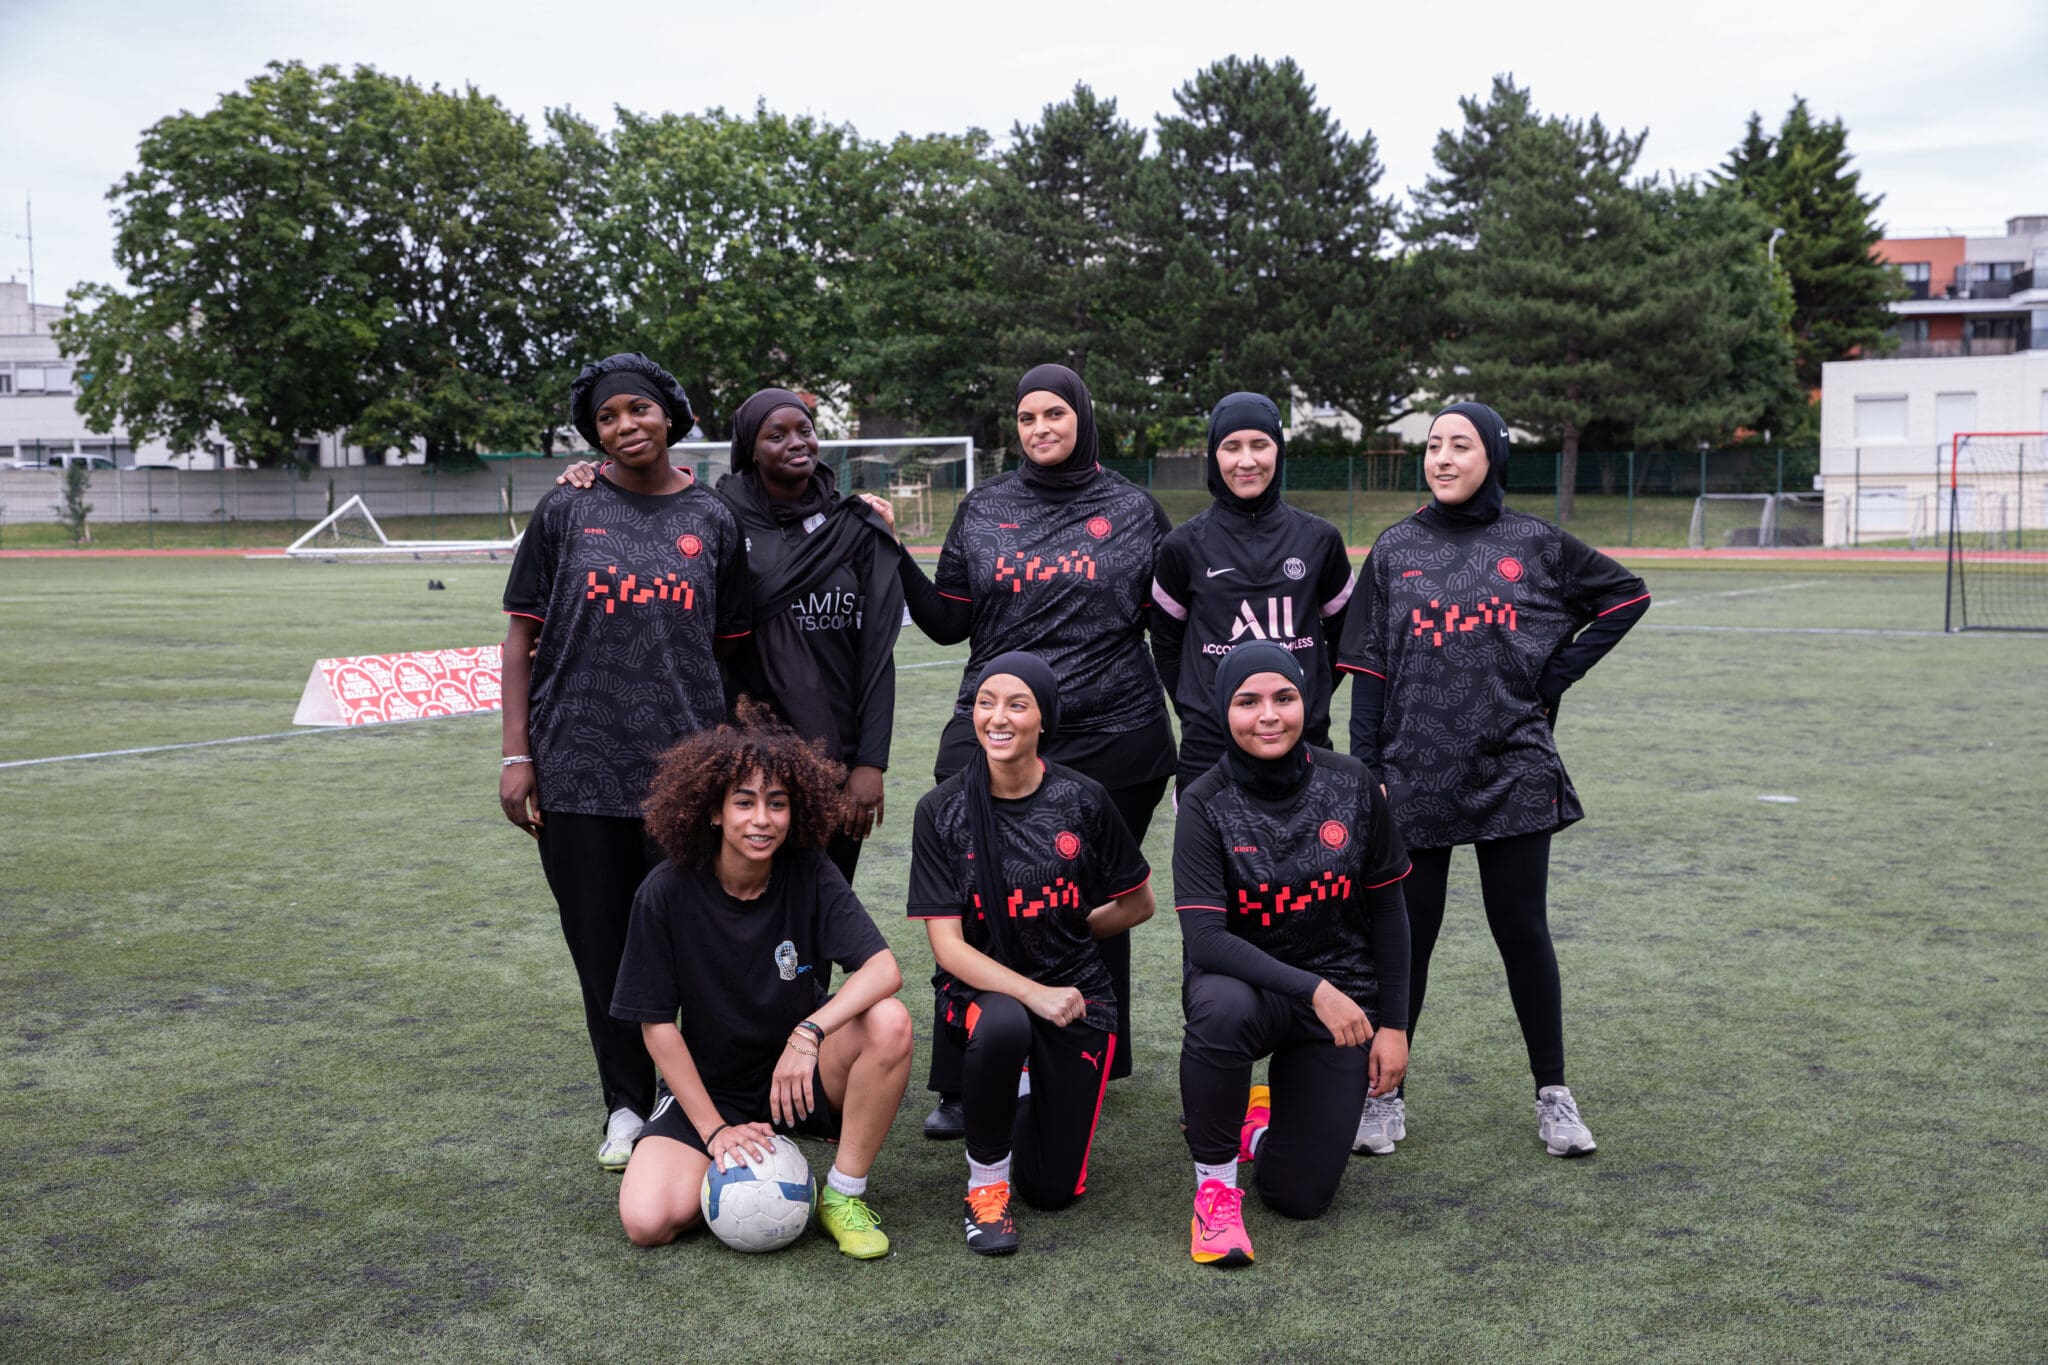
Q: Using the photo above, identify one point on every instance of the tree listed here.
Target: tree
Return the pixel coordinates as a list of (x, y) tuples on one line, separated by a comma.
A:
[(1447, 206), (725, 245), (1801, 181), (251, 314), (917, 290), (1270, 249)]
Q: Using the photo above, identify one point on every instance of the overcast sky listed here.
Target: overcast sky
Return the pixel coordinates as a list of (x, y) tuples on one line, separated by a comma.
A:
[(1947, 106)]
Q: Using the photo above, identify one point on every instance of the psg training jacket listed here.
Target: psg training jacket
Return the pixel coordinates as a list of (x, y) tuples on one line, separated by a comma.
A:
[(1225, 577)]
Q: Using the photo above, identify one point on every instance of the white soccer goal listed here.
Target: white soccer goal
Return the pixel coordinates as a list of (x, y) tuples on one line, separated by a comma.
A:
[(923, 477), (351, 532), (1764, 520), (1994, 514)]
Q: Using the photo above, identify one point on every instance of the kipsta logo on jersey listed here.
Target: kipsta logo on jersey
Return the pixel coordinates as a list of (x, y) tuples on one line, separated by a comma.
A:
[(1099, 527), (1068, 844), (1295, 569), (1333, 834), (689, 545), (1511, 569)]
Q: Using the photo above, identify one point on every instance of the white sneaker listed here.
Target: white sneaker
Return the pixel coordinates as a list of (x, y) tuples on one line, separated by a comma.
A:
[(1384, 1123), (1558, 1122), (620, 1132)]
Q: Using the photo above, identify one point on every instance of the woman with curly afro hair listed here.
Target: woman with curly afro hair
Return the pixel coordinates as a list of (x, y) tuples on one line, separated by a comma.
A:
[(724, 972)]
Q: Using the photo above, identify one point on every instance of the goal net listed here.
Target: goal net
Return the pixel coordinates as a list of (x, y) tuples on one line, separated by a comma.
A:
[(351, 532), (1995, 514), (1765, 520)]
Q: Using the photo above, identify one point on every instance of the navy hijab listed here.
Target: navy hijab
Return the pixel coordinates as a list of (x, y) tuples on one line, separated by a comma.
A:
[(1269, 777), (1245, 412), (1067, 478), (1483, 507)]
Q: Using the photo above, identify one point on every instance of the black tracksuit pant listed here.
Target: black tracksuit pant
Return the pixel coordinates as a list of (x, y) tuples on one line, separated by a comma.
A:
[(594, 864), (1514, 877), (1318, 1089), (1048, 1133)]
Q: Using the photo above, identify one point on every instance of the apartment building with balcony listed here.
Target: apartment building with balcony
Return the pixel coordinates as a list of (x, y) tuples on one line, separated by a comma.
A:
[(1972, 357)]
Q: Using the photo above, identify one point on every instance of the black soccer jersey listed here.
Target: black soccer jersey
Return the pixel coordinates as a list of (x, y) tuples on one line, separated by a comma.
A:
[(1289, 873), (630, 590), (1224, 579), (1065, 851), (735, 976), (1461, 621), (1070, 582)]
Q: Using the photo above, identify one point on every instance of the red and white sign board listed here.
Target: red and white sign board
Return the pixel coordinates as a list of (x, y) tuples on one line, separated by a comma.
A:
[(372, 688)]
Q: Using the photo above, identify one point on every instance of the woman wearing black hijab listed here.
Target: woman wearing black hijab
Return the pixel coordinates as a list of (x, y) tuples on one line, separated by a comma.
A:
[(1286, 877), (1019, 869), (827, 605), (1470, 622), (1248, 567), (619, 603), (1057, 560)]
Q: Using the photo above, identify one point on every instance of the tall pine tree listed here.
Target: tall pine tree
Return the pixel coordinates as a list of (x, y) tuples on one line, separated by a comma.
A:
[(1801, 181)]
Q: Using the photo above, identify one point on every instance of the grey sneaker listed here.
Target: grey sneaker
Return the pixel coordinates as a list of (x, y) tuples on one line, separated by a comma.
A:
[(1558, 1123), (1384, 1123), (620, 1131)]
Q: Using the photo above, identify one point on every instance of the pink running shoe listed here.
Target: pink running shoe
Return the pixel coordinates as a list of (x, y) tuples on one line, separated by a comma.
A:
[(1217, 1230)]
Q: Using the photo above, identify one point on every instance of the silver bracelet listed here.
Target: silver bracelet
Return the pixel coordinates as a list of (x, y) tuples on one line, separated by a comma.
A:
[(516, 758)]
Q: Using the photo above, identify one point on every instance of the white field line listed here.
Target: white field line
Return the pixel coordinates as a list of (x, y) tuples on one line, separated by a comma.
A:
[(1736, 592), (1799, 630)]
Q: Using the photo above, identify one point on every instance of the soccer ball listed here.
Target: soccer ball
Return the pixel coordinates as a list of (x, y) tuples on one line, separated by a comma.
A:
[(762, 1206)]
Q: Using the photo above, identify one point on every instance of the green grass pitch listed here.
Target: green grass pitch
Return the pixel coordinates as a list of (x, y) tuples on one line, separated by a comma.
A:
[(294, 1065)]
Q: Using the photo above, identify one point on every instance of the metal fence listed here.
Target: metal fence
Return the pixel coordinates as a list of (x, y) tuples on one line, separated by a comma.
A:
[(1623, 498)]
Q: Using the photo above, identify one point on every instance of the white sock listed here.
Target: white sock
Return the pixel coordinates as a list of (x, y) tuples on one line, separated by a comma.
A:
[(979, 1175), (851, 1185), (1225, 1171)]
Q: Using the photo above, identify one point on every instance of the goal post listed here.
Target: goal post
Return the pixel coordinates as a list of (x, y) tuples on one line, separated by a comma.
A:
[(1995, 510), (1763, 520), (923, 477), (351, 531)]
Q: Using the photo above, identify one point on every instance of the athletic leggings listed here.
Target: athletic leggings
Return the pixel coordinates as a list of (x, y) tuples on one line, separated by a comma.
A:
[(1318, 1089), (1049, 1131), (594, 864), (1513, 880), (1135, 805)]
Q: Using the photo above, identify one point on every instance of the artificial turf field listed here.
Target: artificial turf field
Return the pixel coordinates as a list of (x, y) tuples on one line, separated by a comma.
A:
[(294, 1064)]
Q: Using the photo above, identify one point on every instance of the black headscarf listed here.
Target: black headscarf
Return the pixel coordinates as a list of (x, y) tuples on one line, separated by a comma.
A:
[(989, 882), (1245, 412), (1064, 480), (820, 491), (1268, 777), (776, 661), (627, 372), (1483, 507)]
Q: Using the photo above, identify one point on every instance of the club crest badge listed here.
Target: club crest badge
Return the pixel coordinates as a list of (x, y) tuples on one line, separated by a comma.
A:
[(1511, 569), (1099, 527), (1068, 844), (1334, 834), (690, 545), (1295, 569)]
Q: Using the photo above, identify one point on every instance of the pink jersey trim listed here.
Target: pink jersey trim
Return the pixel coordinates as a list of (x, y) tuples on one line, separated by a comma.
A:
[(952, 598), (1196, 905), (527, 614), (1619, 605), (1127, 890), (1165, 600), (1360, 668), (1336, 604), (1391, 880)]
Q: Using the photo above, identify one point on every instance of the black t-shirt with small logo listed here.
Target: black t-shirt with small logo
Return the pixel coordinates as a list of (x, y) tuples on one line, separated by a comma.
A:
[(1224, 579), (1065, 852), (1069, 581), (1460, 621), (735, 976), (1289, 873), (631, 590)]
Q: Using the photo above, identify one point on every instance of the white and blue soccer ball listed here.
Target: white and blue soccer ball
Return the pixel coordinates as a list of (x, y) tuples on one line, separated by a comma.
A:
[(762, 1205)]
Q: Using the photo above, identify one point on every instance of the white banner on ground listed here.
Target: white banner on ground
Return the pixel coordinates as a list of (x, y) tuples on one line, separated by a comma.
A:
[(368, 689)]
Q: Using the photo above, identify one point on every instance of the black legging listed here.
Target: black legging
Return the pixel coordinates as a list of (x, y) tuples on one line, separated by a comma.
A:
[(1135, 805), (1514, 877), (1051, 1130)]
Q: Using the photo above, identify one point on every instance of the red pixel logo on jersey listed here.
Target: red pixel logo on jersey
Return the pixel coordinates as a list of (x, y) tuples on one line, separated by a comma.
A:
[(1511, 569), (1333, 834), (1099, 527), (1068, 844), (690, 546)]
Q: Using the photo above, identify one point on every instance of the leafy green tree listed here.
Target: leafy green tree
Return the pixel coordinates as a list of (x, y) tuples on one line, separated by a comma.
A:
[(1272, 250), (726, 244), (251, 315), (917, 290), (1802, 182)]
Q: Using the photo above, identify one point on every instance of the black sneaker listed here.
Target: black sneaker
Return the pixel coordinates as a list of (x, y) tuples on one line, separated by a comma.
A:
[(990, 1229), (947, 1119)]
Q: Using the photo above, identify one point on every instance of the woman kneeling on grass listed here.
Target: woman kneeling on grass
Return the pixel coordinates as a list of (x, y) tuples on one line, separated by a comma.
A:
[(1018, 867), (1286, 876), (724, 972)]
